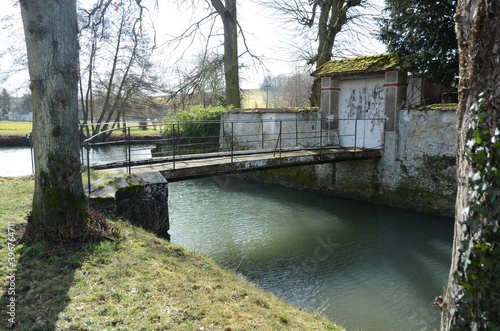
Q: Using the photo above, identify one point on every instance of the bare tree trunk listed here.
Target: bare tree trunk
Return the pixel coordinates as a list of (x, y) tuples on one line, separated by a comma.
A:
[(472, 298), (51, 34), (229, 19), (332, 17)]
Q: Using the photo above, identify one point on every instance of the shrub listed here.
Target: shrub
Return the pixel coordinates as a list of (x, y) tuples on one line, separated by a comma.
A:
[(143, 124), (197, 122)]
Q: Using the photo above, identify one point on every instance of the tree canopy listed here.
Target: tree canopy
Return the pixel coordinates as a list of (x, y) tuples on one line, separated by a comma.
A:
[(422, 33), (327, 19)]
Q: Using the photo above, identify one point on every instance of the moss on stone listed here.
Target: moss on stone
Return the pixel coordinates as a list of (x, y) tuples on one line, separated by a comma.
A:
[(275, 110), (302, 175), (358, 64), (440, 106)]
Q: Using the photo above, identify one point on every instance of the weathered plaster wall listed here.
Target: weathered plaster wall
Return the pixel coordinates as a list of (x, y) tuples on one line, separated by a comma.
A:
[(416, 172), (256, 129)]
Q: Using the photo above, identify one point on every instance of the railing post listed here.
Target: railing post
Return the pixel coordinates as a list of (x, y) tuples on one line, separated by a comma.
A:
[(173, 146), (81, 140), (88, 166), (262, 131), (222, 142), (296, 131), (320, 134), (29, 136), (281, 133), (232, 140), (129, 151), (355, 133)]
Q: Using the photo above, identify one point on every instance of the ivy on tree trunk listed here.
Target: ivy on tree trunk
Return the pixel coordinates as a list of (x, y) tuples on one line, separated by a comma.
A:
[(472, 298)]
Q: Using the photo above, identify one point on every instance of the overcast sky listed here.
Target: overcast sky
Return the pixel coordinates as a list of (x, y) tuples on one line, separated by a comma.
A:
[(264, 34)]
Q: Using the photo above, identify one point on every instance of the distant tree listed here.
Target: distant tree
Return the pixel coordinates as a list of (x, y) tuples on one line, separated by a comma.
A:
[(207, 30), (26, 104), (296, 88), (5, 102), (203, 84), (287, 90), (51, 35), (117, 73), (327, 18), (13, 71), (228, 14), (472, 297), (271, 87), (422, 33)]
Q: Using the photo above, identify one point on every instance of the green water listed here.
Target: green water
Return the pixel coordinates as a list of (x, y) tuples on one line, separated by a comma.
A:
[(363, 266)]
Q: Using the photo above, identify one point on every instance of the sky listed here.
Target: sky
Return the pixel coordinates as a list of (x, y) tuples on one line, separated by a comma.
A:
[(264, 35)]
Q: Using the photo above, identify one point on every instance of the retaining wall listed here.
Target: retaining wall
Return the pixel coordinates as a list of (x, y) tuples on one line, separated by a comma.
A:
[(417, 170)]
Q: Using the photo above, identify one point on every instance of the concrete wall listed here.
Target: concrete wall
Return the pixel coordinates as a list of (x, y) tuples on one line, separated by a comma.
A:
[(260, 129), (417, 170)]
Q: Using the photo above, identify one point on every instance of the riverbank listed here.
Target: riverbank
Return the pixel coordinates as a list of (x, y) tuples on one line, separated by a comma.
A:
[(16, 134), (23, 141), (139, 282)]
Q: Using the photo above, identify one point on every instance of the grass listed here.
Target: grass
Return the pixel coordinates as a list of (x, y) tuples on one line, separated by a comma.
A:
[(139, 282), (23, 128), (98, 175), (14, 128), (253, 99)]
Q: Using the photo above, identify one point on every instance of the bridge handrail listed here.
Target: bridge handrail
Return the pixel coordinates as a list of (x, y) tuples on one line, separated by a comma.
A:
[(313, 133)]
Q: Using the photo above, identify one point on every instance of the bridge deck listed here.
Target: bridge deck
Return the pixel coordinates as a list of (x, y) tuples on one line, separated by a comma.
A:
[(189, 167)]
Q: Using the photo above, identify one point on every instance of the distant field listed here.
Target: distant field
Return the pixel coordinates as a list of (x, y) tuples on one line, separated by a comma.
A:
[(23, 128), (253, 99), (14, 128)]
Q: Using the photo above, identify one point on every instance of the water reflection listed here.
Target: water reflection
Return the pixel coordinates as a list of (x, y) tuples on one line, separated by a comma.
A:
[(16, 161), (362, 265)]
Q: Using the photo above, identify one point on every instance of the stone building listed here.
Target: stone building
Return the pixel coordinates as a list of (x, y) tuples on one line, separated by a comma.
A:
[(361, 97), (364, 103)]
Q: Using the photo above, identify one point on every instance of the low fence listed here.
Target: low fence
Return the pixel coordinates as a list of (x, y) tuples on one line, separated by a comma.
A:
[(182, 140)]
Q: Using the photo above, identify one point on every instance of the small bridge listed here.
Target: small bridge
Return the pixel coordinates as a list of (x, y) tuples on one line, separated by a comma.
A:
[(194, 149)]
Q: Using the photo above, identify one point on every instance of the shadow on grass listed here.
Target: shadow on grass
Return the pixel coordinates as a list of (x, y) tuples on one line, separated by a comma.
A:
[(37, 284)]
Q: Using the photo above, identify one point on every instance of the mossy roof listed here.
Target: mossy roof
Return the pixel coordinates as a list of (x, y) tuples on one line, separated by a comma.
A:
[(358, 64)]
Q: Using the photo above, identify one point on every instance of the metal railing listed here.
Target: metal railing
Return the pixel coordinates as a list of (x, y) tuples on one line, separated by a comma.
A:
[(187, 140)]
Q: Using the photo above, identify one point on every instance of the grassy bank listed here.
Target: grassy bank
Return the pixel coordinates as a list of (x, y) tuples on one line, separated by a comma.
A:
[(14, 128), (140, 282), (9, 128)]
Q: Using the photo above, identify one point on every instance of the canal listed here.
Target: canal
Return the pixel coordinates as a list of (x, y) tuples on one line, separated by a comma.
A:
[(364, 266)]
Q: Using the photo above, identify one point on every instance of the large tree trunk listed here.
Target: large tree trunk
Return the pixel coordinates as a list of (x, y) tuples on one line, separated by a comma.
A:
[(51, 34), (229, 19), (472, 298), (332, 17)]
